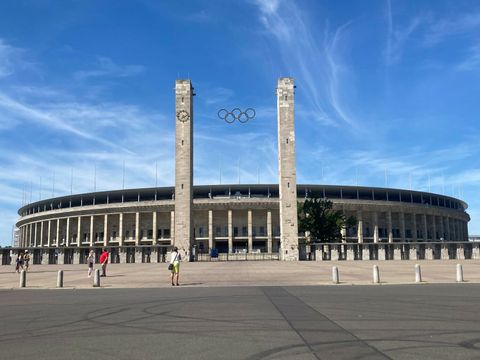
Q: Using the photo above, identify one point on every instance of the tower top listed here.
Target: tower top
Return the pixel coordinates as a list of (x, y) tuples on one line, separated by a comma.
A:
[(286, 81)]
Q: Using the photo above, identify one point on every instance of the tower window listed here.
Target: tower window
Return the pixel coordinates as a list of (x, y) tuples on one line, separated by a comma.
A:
[(287, 140)]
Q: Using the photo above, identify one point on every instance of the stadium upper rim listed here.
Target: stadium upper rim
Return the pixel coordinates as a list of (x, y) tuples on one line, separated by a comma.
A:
[(333, 192)]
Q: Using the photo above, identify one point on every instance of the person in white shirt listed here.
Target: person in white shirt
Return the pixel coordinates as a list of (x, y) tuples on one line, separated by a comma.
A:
[(90, 262), (175, 268)]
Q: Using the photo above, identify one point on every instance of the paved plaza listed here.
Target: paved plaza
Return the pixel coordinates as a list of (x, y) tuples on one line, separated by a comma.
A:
[(438, 321), (243, 273)]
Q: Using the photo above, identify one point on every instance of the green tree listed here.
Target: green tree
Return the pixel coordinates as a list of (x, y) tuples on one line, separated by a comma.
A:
[(324, 224)]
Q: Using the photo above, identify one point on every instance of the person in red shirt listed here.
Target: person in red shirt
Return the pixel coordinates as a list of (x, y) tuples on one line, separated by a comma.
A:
[(104, 261)]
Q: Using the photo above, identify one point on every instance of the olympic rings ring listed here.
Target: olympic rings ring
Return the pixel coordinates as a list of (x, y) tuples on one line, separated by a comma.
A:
[(236, 114)]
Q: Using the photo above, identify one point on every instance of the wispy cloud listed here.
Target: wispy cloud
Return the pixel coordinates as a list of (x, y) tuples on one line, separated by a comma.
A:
[(398, 36), (462, 24), (201, 16), (11, 58), (472, 61), (315, 62), (105, 67)]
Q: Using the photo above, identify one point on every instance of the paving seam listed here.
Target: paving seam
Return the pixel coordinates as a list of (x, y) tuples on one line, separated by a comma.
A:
[(291, 325), (341, 327)]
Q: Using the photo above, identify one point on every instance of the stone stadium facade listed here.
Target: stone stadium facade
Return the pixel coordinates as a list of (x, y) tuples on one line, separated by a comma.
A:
[(238, 222), (241, 222)]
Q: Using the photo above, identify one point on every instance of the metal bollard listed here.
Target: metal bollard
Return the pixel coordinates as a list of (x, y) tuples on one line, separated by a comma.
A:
[(459, 273), (335, 277), (96, 278), (376, 274), (60, 279), (418, 274), (23, 279)]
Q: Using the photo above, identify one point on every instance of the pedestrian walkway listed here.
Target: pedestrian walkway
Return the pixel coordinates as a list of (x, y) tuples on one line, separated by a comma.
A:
[(271, 273)]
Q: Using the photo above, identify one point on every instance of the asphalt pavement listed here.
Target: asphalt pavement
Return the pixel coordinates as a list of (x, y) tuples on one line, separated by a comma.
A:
[(431, 321)]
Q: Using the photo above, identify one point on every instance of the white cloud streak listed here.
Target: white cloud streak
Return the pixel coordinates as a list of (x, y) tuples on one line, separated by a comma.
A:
[(105, 67), (317, 63)]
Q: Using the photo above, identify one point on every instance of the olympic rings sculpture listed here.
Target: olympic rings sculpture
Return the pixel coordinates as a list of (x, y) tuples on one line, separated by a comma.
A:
[(236, 114)]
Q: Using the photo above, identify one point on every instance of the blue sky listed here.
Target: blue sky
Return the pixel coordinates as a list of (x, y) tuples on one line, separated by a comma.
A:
[(387, 93)]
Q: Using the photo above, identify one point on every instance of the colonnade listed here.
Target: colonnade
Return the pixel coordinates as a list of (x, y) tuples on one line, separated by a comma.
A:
[(231, 229), (409, 226), (151, 228)]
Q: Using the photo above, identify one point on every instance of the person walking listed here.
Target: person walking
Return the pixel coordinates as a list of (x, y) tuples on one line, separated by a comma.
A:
[(19, 262), (175, 266), (26, 260), (104, 262), (90, 262)]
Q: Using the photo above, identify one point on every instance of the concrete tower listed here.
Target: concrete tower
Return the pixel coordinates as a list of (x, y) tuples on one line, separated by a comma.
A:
[(183, 233), (287, 170)]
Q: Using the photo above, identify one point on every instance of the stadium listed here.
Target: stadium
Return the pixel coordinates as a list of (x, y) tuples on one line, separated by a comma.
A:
[(242, 222)]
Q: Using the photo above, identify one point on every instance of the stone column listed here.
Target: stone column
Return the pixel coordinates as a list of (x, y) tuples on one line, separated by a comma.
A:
[(92, 239), (35, 238), (287, 169), (428, 252), (397, 252), (154, 227), (475, 251), (269, 232), (44, 257), (343, 232), (454, 228), (402, 226), (425, 227), (137, 228), (61, 256), (49, 236), (67, 234), (57, 234), (413, 252), (414, 224), (210, 229), (375, 227), (444, 252), (79, 232), (350, 252), (460, 252), (120, 229), (41, 233), (172, 227), (230, 232), (22, 237), (448, 232), (365, 252), (434, 227), (360, 226), (389, 226), (334, 253), (106, 239), (76, 256), (442, 229), (250, 232), (183, 165), (381, 252)]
